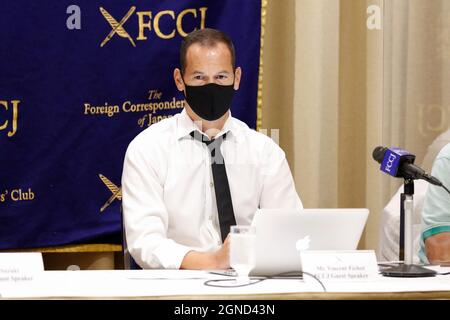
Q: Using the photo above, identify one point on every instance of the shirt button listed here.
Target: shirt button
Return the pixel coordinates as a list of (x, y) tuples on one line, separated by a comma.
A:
[(211, 184)]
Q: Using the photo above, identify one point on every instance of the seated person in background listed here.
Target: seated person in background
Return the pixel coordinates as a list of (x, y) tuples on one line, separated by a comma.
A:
[(435, 240), (389, 231), (178, 200)]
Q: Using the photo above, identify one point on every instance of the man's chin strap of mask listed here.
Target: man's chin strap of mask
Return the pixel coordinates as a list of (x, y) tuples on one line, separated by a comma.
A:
[(210, 101)]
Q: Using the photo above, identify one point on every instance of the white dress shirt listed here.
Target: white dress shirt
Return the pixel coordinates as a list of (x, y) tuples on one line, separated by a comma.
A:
[(169, 204)]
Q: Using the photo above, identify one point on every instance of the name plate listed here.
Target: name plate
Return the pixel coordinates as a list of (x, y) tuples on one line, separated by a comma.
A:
[(17, 267), (357, 265)]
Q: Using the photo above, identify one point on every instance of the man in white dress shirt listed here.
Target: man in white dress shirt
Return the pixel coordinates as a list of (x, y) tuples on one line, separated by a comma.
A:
[(170, 208)]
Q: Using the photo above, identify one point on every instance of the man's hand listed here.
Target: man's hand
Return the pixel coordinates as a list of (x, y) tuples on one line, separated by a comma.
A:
[(438, 248), (222, 256), (219, 259)]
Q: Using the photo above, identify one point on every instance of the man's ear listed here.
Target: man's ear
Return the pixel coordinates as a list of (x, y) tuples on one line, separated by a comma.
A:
[(178, 79), (237, 77)]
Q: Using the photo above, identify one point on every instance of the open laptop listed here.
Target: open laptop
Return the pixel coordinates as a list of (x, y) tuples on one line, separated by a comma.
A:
[(280, 234)]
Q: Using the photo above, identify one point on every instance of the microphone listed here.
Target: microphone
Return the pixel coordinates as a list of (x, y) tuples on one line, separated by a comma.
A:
[(399, 163)]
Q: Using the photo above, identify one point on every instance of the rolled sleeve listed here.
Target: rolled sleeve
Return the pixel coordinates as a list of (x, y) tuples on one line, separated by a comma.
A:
[(436, 211), (170, 254)]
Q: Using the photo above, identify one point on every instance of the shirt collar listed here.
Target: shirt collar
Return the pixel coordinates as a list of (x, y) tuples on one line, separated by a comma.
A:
[(185, 126)]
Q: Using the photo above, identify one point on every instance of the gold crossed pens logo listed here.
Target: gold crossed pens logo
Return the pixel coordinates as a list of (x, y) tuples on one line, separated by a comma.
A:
[(117, 27), (115, 190)]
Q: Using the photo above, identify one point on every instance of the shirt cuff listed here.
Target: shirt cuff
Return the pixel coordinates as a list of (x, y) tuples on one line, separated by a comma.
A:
[(435, 230), (171, 254)]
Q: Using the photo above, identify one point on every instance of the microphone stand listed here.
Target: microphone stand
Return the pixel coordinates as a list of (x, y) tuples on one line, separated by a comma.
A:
[(407, 269)]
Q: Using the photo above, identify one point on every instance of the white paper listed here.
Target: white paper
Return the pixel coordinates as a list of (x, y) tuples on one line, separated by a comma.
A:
[(357, 265), (20, 262), (19, 267)]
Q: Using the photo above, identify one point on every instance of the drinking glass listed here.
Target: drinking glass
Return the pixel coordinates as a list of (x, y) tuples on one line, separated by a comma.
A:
[(242, 251)]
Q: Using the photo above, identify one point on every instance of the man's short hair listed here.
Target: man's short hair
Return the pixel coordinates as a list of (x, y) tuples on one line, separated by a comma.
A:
[(205, 37)]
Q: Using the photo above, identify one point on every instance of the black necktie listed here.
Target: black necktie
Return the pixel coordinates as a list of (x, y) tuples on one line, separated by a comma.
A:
[(221, 186)]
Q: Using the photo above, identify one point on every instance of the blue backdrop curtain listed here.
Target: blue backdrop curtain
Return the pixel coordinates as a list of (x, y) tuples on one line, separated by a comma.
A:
[(78, 81)]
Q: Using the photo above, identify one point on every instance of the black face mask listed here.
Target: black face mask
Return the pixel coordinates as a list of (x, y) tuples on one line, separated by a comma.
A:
[(210, 101)]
